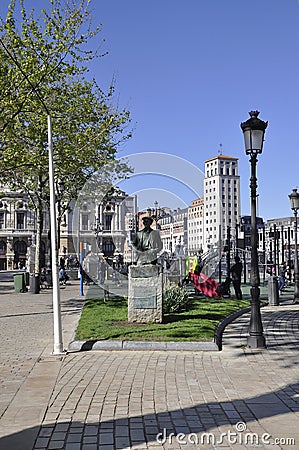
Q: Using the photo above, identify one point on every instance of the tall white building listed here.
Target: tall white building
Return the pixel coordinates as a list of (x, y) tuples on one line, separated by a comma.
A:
[(221, 199)]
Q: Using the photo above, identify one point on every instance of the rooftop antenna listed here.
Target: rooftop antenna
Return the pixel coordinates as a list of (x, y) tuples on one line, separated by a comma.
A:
[(220, 149)]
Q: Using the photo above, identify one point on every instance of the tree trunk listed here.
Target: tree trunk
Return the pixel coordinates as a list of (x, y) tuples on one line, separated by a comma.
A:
[(39, 229), (39, 225)]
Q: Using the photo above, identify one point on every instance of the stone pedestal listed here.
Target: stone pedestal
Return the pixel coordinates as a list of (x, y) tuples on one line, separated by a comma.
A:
[(145, 294)]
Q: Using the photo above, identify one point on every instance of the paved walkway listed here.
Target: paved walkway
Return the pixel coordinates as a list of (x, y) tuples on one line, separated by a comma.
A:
[(28, 371), (105, 400)]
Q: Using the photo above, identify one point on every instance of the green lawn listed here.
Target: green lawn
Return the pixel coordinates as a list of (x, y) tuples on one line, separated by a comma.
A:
[(108, 321)]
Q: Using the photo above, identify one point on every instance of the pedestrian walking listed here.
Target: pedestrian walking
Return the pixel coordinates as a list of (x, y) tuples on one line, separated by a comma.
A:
[(63, 277), (281, 278), (236, 273)]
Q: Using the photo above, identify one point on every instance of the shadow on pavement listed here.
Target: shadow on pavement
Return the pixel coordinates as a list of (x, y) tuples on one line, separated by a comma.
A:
[(165, 427)]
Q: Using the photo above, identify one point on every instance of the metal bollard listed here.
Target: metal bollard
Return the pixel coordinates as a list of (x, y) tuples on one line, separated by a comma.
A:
[(34, 283), (273, 294)]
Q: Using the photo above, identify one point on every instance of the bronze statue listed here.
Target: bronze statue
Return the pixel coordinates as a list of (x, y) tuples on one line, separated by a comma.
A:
[(147, 243)]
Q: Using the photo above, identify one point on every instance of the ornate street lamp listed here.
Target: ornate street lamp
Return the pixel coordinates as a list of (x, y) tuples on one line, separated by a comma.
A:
[(97, 228), (294, 199), (254, 131), (156, 213)]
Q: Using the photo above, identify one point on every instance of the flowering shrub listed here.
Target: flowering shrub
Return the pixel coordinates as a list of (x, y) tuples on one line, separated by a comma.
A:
[(176, 299)]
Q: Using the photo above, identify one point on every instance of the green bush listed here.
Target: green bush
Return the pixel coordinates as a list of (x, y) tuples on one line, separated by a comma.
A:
[(176, 299)]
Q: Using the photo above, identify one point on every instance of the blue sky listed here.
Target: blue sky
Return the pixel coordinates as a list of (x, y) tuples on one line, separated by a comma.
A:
[(190, 71)]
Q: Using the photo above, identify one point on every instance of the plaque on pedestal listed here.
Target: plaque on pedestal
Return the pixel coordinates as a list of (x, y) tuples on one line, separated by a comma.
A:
[(145, 294)]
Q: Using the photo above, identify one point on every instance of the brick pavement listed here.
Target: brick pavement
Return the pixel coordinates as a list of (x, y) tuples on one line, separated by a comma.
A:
[(27, 370), (124, 399)]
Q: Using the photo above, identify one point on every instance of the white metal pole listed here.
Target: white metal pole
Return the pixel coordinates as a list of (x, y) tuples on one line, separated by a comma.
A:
[(58, 346)]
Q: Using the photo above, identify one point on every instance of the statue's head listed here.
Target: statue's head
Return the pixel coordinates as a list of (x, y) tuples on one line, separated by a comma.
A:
[(147, 221)]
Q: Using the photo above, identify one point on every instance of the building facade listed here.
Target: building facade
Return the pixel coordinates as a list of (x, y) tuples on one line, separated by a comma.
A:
[(174, 231), (277, 242), (221, 200), (103, 226), (18, 230), (196, 226)]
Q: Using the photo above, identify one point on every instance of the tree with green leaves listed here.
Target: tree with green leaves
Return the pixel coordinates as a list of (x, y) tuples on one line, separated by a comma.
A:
[(43, 71)]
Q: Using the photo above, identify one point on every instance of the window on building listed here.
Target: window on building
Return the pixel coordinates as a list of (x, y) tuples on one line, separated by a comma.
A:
[(1, 220), (20, 221), (20, 247), (107, 222), (2, 247), (84, 221)]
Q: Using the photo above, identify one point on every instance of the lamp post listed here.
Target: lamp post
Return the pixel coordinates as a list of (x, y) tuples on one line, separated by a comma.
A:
[(58, 345), (294, 199), (289, 252), (156, 213), (237, 239), (254, 131), (228, 243), (97, 228)]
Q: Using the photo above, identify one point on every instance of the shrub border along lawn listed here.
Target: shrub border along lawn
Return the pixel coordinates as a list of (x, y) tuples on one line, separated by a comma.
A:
[(91, 340)]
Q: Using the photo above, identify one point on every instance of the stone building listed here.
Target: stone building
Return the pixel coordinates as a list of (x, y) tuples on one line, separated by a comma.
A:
[(277, 241), (174, 231), (18, 230), (103, 226)]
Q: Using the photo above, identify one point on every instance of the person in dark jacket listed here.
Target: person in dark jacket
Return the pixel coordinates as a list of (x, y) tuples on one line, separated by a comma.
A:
[(236, 273)]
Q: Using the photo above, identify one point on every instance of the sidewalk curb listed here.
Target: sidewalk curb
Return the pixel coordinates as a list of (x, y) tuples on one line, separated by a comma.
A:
[(229, 319), (141, 345)]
